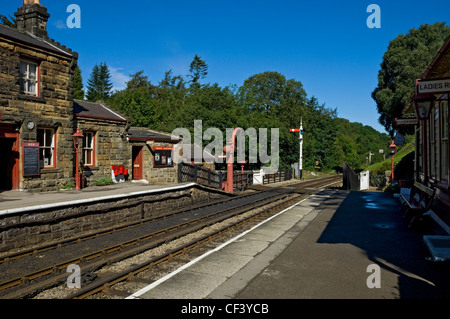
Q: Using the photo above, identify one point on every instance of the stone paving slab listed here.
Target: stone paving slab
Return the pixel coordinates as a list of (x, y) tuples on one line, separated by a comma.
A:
[(247, 254)]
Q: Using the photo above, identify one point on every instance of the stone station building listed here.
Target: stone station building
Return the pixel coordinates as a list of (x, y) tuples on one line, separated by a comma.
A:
[(38, 116), (36, 104)]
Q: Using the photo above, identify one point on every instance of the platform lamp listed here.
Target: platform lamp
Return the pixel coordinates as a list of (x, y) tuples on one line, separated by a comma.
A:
[(423, 104), (393, 148), (76, 142)]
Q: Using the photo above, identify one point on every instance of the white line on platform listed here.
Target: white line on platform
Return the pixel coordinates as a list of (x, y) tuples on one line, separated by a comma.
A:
[(165, 278)]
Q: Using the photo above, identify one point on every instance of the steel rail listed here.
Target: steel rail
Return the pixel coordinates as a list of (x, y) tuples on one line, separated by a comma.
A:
[(58, 244), (177, 230), (106, 283), (61, 243), (182, 228)]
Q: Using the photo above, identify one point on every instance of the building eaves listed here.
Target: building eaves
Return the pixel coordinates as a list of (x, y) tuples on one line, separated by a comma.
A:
[(27, 38), (96, 111), (144, 134)]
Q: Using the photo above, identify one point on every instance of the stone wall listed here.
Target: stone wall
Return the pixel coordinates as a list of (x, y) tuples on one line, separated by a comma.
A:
[(111, 147), (53, 108), (162, 175), (25, 230), (157, 175)]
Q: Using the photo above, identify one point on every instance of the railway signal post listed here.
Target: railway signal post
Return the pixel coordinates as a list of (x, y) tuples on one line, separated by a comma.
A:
[(300, 162)]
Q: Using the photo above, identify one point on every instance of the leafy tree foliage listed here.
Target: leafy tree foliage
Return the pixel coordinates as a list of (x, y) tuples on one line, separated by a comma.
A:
[(265, 100), (99, 84), (8, 21), (405, 60), (78, 92), (198, 70)]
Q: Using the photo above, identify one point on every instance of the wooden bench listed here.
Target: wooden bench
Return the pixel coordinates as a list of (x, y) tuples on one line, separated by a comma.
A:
[(418, 202)]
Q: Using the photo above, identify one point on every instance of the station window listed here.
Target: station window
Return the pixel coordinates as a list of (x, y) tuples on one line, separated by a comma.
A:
[(89, 148), (46, 139), (29, 78), (437, 140), (444, 140)]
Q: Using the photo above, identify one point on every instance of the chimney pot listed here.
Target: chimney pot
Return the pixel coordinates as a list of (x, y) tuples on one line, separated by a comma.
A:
[(32, 17)]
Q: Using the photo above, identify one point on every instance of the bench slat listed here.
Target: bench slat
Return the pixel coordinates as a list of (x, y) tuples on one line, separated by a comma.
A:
[(424, 188)]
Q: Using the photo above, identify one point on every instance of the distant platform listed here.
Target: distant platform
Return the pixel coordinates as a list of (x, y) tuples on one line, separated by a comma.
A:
[(12, 202)]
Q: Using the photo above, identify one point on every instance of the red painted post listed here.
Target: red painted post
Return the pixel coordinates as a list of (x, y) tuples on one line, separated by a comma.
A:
[(229, 149), (76, 142)]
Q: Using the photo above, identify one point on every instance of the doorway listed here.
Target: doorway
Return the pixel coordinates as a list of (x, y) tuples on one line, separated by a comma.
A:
[(138, 162), (9, 176)]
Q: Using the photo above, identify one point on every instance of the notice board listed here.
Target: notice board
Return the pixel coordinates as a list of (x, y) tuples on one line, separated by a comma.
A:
[(163, 157), (31, 165)]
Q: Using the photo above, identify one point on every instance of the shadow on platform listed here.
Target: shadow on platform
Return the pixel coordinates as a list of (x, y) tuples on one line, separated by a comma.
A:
[(372, 222)]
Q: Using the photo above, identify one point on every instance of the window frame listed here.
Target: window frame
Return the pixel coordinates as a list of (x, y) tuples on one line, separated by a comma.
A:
[(52, 147), (25, 78), (92, 148)]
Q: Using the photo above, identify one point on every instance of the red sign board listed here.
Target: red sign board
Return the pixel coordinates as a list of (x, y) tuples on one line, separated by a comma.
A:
[(163, 148), (27, 144), (163, 156)]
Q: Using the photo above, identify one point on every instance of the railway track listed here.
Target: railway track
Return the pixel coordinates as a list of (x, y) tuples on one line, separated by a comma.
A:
[(146, 235)]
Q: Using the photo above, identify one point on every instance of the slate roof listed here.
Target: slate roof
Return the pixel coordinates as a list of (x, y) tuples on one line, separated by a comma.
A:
[(27, 38), (145, 134), (141, 134), (96, 111)]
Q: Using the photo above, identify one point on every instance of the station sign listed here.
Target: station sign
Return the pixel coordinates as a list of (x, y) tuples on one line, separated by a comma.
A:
[(406, 122), (399, 140), (163, 156), (31, 162), (433, 86)]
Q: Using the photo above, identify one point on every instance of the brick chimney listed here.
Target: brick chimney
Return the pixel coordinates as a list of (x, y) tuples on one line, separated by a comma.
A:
[(32, 17)]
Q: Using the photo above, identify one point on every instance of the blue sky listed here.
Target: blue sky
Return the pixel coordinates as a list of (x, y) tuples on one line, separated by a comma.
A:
[(324, 44)]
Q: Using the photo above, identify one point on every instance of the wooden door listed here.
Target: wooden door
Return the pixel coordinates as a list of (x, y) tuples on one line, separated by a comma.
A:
[(138, 162)]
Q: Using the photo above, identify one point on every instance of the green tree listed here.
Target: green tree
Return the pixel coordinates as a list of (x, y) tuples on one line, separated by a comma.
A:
[(198, 70), (8, 21), (405, 60), (347, 151), (320, 135), (78, 92), (99, 84), (354, 141), (138, 80), (138, 101), (265, 100), (172, 82), (263, 91)]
